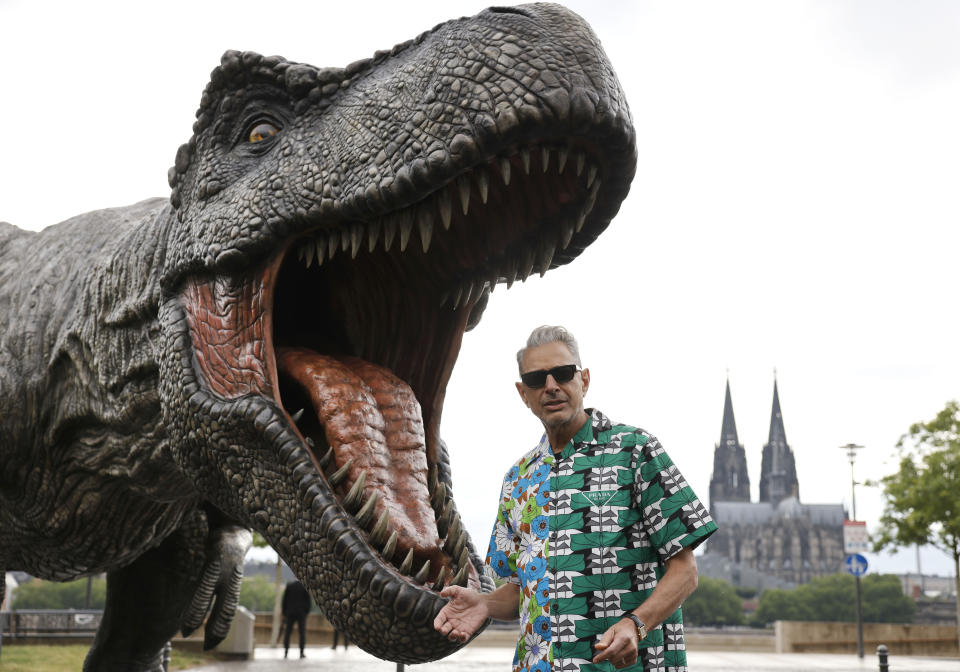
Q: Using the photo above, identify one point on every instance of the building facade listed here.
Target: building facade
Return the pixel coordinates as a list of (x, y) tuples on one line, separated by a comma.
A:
[(777, 536)]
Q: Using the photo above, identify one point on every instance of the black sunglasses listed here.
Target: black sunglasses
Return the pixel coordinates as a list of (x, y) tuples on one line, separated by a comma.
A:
[(537, 379)]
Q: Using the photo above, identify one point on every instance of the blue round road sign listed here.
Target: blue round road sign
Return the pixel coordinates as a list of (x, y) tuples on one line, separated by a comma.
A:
[(856, 564)]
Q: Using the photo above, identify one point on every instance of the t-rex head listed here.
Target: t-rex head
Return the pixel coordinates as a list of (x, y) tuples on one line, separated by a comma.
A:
[(337, 232)]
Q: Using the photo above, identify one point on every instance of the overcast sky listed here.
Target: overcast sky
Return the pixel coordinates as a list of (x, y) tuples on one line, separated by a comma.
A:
[(795, 208)]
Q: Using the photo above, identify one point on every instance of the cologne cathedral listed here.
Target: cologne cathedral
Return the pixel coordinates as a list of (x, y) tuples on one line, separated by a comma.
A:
[(778, 538)]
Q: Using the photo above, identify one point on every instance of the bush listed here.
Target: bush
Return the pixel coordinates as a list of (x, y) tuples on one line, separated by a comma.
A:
[(39, 594), (714, 602), (833, 598), (257, 593)]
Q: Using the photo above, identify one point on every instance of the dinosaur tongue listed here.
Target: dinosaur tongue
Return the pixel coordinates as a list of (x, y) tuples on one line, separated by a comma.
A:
[(372, 417)]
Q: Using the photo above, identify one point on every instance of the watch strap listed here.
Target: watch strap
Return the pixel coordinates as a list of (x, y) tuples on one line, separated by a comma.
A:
[(641, 628)]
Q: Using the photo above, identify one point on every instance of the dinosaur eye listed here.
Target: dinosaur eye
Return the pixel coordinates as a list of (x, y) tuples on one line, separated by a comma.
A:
[(261, 131)]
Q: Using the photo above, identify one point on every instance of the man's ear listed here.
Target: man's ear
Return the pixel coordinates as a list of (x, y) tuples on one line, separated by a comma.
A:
[(585, 377), (523, 393)]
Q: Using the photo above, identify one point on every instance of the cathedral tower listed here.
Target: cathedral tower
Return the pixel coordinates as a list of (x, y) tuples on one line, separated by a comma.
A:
[(730, 482), (778, 472)]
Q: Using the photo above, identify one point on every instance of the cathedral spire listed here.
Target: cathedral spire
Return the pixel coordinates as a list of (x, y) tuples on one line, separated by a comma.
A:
[(778, 471), (777, 433), (728, 430), (730, 481)]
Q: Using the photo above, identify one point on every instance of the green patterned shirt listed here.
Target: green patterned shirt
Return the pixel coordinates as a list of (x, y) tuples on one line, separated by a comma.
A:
[(585, 535)]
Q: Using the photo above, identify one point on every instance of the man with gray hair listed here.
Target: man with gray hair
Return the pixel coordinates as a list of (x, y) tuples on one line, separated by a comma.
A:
[(594, 534)]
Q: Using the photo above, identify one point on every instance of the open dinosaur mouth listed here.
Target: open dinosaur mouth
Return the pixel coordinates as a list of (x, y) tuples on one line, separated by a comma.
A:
[(354, 328)]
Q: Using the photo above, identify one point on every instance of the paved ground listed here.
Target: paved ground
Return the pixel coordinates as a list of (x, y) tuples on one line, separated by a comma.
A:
[(497, 659)]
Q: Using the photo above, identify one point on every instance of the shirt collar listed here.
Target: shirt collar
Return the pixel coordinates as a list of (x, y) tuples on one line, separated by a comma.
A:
[(587, 434)]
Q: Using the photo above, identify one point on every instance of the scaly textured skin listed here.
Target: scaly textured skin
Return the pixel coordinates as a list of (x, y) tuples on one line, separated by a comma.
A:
[(363, 214)]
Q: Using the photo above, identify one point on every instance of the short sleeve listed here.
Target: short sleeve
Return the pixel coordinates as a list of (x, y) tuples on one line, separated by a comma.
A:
[(504, 541), (672, 515)]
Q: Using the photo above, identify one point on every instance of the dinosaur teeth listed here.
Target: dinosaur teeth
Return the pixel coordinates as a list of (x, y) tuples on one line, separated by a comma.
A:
[(320, 246), (365, 515), (438, 584), (465, 295), (545, 257), (353, 499), (526, 265), (461, 578), (308, 255), (581, 218), (326, 459), (566, 233), (580, 159), (333, 243), (445, 207), (463, 558), (373, 234), (296, 416), (591, 175), (443, 521), (562, 154), (591, 198), (463, 186), (337, 477), (423, 574), (379, 532), (425, 224), (525, 159), (478, 286), (459, 546), (544, 158), (407, 563), (389, 231), (390, 546), (439, 496), (406, 227), (483, 185), (432, 479), (356, 239), (453, 534), (505, 170)]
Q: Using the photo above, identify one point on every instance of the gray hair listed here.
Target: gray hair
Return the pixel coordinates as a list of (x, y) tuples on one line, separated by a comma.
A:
[(548, 334)]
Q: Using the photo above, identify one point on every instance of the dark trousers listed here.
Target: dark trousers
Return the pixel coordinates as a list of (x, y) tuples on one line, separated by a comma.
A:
[(301, 622)]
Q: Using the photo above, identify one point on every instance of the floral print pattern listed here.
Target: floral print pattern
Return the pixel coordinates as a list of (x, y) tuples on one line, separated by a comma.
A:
[(519, 549)]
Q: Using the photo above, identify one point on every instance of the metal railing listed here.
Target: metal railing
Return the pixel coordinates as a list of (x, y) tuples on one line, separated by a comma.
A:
[(29, 623)]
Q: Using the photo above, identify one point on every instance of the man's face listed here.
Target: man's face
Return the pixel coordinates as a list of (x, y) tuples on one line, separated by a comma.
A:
[(555, 404)]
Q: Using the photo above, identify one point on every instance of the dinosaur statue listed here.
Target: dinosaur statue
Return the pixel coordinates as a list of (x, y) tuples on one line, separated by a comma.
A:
[(269, 348)]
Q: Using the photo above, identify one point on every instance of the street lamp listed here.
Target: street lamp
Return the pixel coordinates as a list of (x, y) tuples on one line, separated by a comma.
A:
[(852, 449)]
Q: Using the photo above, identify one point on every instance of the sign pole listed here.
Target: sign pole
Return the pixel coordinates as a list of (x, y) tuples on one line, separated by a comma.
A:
[(859, 621), (852, 449)]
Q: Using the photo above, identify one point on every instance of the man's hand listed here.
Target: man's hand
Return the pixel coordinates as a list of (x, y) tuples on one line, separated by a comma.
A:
[(618, 644), (462, 615)]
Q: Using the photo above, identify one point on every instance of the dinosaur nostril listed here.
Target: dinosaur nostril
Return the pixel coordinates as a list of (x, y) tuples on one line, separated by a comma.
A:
[(508, 10)]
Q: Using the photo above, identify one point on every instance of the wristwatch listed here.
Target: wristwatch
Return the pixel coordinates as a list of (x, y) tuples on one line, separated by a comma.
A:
[(641, 628)]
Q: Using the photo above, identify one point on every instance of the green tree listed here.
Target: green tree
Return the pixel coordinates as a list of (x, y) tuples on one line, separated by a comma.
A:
[(53, 595), (714, 602), (831, 598), (922, 499), (278, 586), (257, 593)]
